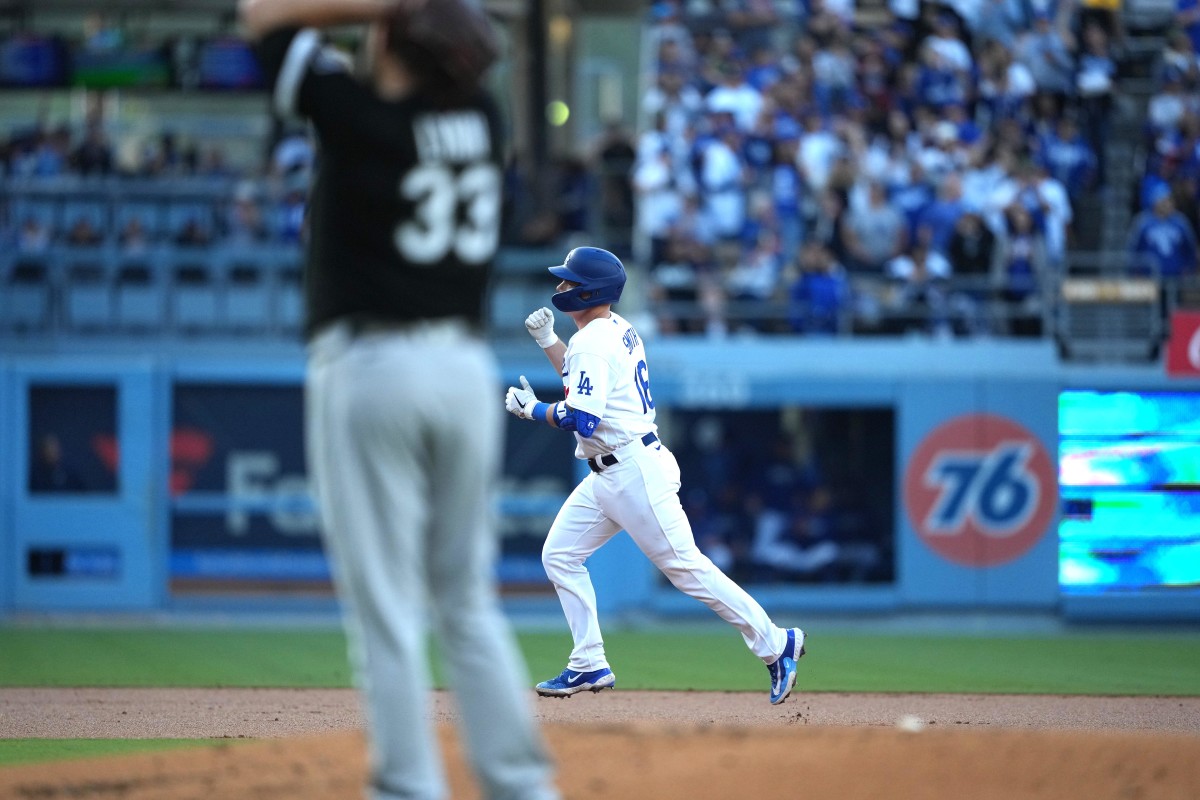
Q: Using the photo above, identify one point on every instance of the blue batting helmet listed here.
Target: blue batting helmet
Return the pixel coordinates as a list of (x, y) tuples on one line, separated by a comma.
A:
[(600, 276)]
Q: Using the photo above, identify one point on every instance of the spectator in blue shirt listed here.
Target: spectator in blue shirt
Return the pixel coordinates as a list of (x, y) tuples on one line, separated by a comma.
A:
[(1068, 158), (912, 197), (758, 149), (821, 293), (1163, 238), (764, 71), (1157, 176), (968, 131), (1187, 16), (786, 193), (937, 221), (938, 83), (1005, 84), (1022, 259)]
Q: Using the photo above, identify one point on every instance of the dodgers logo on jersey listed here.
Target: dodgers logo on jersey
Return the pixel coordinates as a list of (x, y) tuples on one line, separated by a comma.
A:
[(980, 490), (585, 383)]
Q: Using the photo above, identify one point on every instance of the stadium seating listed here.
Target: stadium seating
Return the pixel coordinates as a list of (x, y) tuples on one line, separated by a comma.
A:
[(93, 211), (139, 297), (289, 297), (27, 296), (41, 209), (247, 296), (148, 214), (87, 287), (194, 297)]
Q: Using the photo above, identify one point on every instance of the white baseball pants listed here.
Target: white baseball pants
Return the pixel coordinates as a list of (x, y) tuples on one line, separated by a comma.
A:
[(640, 494), (404, 435)]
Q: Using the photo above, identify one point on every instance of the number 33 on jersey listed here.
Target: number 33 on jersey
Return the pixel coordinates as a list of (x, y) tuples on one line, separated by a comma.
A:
[(453, 212)]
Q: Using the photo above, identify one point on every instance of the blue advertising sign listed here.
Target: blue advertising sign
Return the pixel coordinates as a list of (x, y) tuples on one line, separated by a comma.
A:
[(241, 508)]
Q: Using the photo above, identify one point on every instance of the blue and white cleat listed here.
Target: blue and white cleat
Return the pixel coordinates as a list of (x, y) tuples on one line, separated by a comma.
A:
[(571, 682), (783, 670)]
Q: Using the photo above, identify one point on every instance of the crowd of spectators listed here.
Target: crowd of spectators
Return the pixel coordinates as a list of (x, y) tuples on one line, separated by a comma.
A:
[(806, 169), (62, 184), (50, 151), (1163, 238), (805, 166)]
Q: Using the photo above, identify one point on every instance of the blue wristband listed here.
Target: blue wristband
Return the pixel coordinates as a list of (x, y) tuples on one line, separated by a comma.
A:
[(539, 411)]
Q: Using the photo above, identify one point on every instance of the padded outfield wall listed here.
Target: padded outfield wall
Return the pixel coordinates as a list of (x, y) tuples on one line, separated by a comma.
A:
[(182, 483)]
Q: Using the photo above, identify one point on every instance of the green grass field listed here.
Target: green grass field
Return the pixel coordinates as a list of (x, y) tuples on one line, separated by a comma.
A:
[(36, 751), (1125, 664), (1083, 663)]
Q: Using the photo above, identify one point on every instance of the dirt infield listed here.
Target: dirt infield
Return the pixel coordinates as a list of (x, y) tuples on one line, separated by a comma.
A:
[(627, 745)]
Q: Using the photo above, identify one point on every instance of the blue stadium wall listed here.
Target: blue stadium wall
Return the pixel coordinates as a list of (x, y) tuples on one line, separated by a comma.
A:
[(960, 410)]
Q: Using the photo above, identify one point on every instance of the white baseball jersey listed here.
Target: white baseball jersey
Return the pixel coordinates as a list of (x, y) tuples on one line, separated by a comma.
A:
[(605, 374)]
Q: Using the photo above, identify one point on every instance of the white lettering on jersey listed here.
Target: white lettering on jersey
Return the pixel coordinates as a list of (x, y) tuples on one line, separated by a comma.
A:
[(456, 209), (452, 137)]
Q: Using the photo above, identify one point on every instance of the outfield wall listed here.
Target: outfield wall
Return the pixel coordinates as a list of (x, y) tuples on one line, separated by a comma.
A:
[(193, 476)]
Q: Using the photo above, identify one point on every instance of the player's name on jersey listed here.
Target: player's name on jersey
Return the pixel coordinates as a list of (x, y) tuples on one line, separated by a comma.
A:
[(452, 136), (630, 339)]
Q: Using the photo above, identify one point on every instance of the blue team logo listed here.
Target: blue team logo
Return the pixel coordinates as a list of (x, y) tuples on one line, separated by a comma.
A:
[(980, 490), (585, 384)]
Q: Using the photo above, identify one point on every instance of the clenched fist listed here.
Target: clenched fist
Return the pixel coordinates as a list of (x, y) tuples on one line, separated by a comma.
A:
[(540, 325)]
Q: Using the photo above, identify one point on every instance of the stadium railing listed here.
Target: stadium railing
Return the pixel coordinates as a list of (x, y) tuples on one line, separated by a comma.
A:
[(254, 290)]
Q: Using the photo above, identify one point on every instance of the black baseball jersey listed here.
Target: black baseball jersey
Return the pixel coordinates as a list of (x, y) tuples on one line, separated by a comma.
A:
[(404, 208)]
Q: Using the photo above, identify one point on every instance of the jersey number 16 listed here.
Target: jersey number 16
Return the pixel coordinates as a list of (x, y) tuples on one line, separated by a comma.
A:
[(641, 379), (438, 227)]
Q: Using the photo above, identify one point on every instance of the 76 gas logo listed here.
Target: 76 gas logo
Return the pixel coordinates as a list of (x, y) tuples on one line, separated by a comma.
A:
[(980, 490)]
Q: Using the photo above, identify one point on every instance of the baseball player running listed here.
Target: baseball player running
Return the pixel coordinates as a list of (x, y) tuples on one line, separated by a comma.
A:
[(403, 437), (634, 483)]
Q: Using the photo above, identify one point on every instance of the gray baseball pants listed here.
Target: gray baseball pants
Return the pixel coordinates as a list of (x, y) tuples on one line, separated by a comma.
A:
[(404, 437)]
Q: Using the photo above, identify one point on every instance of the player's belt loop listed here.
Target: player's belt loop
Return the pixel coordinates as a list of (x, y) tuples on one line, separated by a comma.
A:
[(601, 463)]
